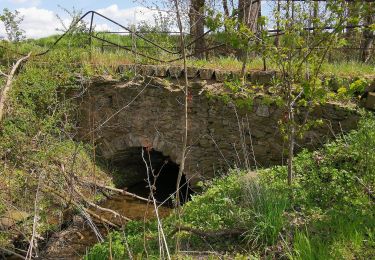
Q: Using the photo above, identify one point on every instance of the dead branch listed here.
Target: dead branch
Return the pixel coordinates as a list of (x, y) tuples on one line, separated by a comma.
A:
[(33, 242), (162, 238), (88, 211), (12, 253), (3, 74), (209, 233), (115, 213), (8, 84), (122, 192), (367, 190), (185, 136)]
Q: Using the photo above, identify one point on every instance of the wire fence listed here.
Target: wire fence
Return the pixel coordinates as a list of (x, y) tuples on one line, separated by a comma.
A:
[(174, 52)]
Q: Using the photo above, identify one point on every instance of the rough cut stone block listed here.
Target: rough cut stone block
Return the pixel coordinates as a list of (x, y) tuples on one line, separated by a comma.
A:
[(206, 74), (175, 72), (370, 101), (221, 75), (161, 71), (262, 77), (191, 72), (122, 68), (147, 70), (236, 74), (371, 86), (126, 68), (263, 111)]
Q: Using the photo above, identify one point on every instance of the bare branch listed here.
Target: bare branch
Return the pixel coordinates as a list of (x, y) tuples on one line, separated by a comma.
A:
[(8, 84), (3, 74), (209, 233)]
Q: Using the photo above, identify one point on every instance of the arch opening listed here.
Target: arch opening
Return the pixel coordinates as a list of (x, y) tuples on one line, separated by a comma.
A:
[(130, 172)]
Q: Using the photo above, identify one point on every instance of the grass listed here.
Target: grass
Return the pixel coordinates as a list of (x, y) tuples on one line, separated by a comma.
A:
[(324, 215), (350, 69), (114, 56), (35, 139)]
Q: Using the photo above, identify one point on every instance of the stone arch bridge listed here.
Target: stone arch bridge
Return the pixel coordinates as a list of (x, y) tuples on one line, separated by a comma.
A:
[(148, 112)]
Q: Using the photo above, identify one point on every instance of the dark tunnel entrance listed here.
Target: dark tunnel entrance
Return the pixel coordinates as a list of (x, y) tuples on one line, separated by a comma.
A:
[(131, 173)]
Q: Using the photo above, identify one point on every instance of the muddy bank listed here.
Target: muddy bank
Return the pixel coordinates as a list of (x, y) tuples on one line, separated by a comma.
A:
[(74, 241)]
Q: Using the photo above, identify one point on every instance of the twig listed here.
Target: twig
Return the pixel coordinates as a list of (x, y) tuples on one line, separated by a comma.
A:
[(29, 253), (3, 74), (8, 84), (122, 192), (185, 136), (116, 214), (368, 191), (209, 233), (88, 211), (160, 227), (11, 252)]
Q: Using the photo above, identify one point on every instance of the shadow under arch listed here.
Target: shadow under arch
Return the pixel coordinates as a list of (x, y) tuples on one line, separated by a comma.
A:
[(130, 172)]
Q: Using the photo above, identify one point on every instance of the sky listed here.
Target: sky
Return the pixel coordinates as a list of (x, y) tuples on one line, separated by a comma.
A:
[(40, 15)]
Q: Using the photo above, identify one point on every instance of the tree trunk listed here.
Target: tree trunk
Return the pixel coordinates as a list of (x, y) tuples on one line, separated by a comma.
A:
[(196, 15), (277, 38), (290, 145), (248, 13), (368, 35), (225, 8), (349, 32)]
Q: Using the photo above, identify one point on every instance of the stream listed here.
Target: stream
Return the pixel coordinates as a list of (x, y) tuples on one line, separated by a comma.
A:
[(74, 241)]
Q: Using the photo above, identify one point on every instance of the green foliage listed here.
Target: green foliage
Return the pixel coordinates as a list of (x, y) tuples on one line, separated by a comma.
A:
[(36, 137), (350, 237), (12, 21), (114, 246), (237, 200), (358, 86), (325, 214)]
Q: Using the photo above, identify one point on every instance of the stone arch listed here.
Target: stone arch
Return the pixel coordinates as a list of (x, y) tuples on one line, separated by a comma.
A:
[(125, 157)]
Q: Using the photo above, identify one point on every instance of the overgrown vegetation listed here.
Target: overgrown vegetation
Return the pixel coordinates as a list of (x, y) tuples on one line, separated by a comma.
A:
[(37, 149), (328, 213)]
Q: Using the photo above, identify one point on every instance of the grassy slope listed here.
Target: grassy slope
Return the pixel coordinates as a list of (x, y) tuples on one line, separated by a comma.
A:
[(36, 136), (36, 143), (325, 215), (116, 55)]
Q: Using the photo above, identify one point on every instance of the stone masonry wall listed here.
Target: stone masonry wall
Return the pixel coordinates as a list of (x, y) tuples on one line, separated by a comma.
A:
[(151, 114)]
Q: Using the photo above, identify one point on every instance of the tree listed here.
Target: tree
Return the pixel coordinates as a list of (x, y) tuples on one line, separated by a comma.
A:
[(368, 32), (248, 13), (299, 60), (76, 25), (196, 15), (12, 21)]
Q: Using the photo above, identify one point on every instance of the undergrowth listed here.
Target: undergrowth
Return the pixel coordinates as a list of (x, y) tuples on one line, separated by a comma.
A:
[(326, 214), (37, 149)]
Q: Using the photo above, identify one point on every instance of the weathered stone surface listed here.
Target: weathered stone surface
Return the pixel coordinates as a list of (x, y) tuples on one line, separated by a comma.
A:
[(147, 70), (175, 72), (236, 74), (263, 111), (221, 75), (192, 72), (124, 67), (206, 74), (262, 77), (155, 119), (12, 217), (161, 71), (370, 101)]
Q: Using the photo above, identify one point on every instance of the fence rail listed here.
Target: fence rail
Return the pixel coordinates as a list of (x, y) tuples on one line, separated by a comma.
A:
[(141, 35)]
